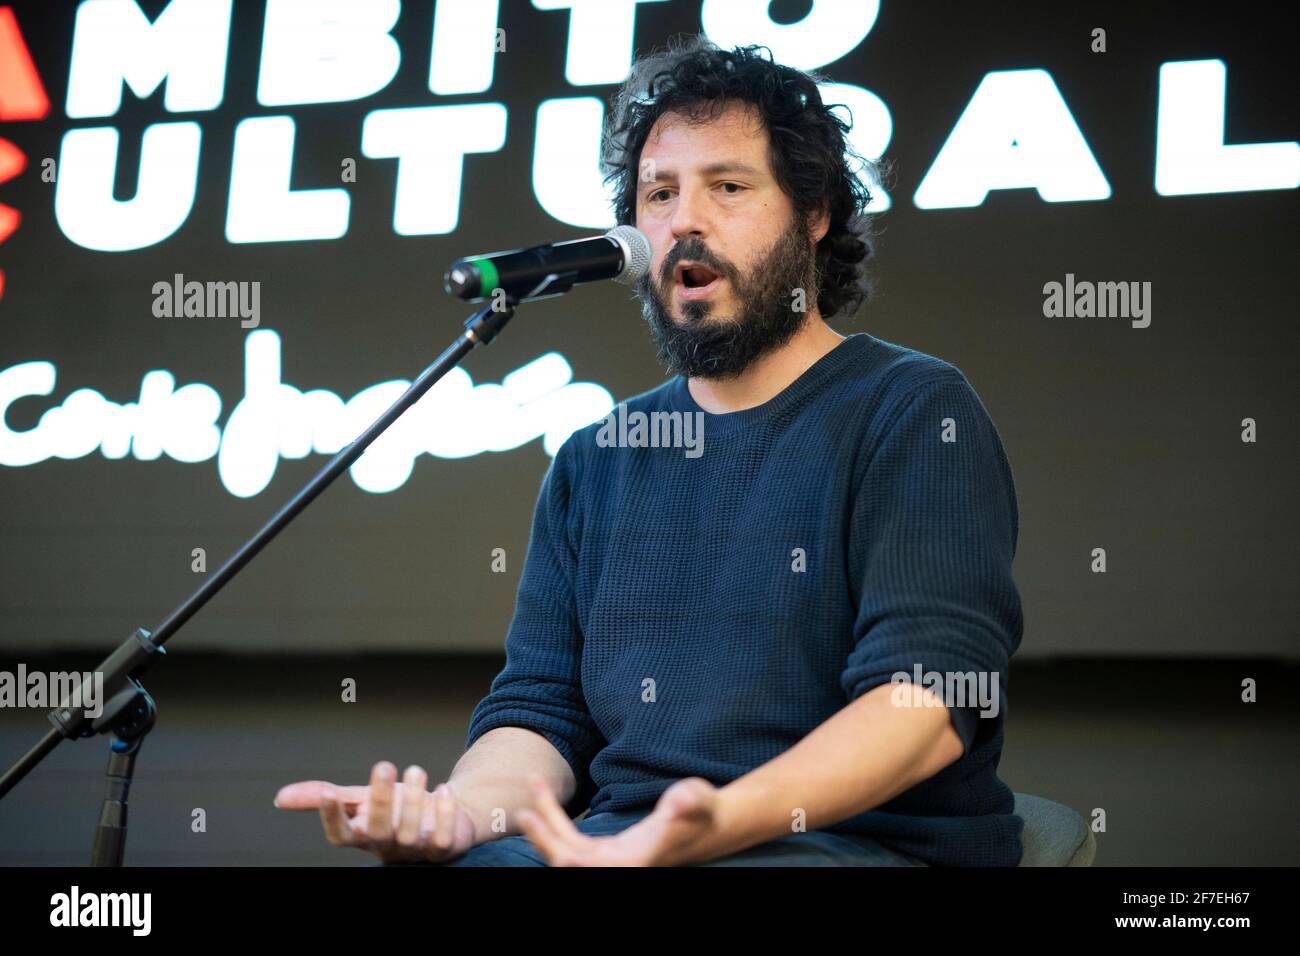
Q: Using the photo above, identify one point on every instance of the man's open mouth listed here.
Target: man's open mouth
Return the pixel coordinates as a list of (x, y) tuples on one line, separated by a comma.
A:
[(694, 280), (697, 276)]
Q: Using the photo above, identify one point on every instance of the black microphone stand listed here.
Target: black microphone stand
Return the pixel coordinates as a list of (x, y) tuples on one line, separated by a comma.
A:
[(128, 712)]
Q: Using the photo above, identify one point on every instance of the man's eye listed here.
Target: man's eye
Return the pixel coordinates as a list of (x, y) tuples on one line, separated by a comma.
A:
[(737, 185), (658, 192)]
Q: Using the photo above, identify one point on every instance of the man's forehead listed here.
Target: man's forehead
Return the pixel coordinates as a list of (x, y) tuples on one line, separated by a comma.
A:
[(739, 121), (734, 139)]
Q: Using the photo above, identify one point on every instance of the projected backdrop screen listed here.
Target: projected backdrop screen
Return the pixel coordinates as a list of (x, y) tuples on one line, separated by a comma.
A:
[(223, 229)]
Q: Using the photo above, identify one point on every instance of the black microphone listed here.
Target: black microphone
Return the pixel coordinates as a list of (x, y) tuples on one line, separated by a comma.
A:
[(541, 272)]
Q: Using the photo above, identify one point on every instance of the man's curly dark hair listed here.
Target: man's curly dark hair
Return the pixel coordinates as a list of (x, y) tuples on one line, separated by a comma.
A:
[(809, 153)]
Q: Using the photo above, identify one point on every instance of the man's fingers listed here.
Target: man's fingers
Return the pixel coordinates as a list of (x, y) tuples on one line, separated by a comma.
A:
[(539, 832), (412, 805), (428, 820), (548, 808), (444, 817), (334, 820), (546, 825), (305, 794), (382, 777)]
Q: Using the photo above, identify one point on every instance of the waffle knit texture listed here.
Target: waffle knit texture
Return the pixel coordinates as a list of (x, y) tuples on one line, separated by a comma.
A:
[(697, 615)]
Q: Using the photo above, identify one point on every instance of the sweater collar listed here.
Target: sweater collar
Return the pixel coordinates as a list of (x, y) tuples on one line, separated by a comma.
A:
[(807, 384)]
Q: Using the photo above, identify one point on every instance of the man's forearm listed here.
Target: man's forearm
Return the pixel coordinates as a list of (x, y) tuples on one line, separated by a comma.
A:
[(491, 778), (865, 755)]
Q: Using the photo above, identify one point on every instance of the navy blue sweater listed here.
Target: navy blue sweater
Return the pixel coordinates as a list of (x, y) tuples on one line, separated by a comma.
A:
[(697, 614)]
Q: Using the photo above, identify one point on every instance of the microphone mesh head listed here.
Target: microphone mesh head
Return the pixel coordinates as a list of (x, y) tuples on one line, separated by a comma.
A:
[(639, 249)]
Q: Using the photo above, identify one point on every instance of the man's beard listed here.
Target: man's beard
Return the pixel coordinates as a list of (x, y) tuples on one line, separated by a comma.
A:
[(709, 347)]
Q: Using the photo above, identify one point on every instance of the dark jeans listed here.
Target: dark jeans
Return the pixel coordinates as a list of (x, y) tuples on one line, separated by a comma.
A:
[(814, 848)]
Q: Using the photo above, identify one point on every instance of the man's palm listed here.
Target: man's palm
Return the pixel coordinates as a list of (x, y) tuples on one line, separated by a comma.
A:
[(417, 825)]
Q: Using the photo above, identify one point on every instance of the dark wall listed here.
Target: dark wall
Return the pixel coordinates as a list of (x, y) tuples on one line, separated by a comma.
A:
[(1122, 438)]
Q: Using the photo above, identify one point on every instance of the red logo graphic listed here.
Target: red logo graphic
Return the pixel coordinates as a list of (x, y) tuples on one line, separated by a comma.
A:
[(22, 97)]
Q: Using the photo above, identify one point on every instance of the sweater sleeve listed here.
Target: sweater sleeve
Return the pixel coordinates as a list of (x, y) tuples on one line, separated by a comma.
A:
[(934, 527), (540, 687)]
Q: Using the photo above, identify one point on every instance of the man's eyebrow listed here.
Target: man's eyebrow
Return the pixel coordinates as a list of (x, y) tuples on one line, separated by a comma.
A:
[(712, 169), (717, 169)]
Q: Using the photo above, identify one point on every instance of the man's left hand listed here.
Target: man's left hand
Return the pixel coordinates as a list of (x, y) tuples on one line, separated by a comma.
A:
[(686, 814)]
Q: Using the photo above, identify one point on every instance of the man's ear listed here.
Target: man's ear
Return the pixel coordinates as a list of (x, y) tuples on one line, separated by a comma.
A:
[(819, 223)]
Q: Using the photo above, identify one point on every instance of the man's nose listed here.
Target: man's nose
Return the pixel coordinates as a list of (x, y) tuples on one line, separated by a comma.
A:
[(689, 216)]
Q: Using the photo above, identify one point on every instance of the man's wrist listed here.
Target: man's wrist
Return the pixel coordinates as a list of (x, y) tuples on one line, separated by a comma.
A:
[(735, 828), (741, 821)]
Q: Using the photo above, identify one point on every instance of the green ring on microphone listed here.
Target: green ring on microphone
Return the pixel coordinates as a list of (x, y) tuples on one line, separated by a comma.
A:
[(489, 278)]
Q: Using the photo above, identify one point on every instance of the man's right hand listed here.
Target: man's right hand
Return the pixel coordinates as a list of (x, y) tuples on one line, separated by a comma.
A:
[(398, 822)]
